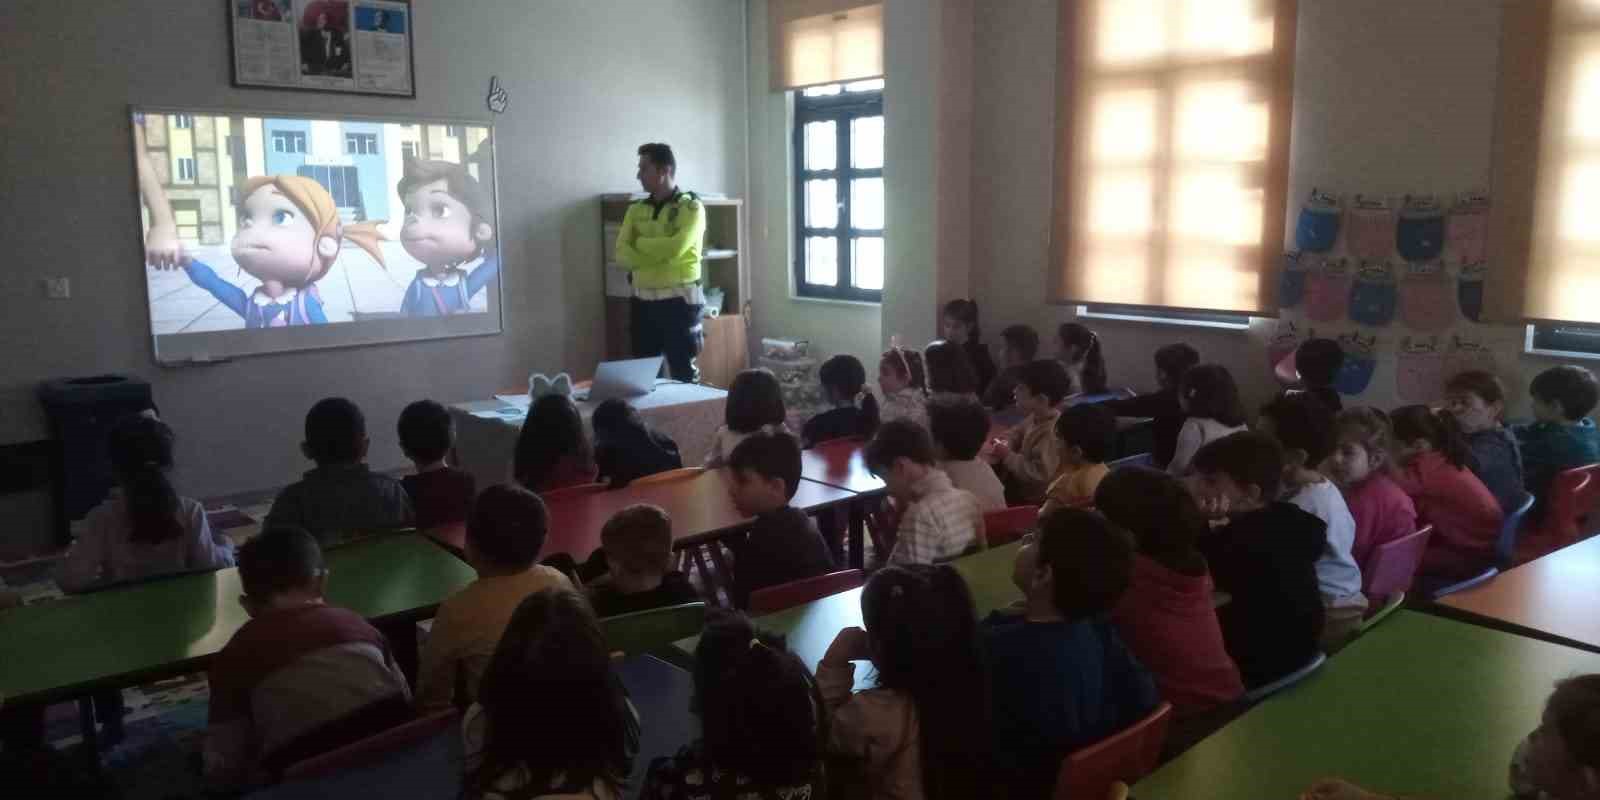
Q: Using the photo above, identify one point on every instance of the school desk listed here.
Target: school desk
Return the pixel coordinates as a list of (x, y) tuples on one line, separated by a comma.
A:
[(1554, 598), (841, 463), (1419, 707)]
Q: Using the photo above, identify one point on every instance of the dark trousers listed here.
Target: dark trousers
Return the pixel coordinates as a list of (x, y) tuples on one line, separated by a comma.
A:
[(669, 327)]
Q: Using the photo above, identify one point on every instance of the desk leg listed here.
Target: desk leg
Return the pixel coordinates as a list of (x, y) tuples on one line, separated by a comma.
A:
[(858, 533), (403, 640), (91, 737)]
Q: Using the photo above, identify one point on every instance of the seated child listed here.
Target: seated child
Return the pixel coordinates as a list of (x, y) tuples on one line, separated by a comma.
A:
[(755, 403), (1264, 555), (924, 723), (1210, 401), (759, 727), (950, 370), (1021, 346), (1477, 401), (961, 328), (1162, 405), (1431, 457), (904, 385), (504, 535), (1317, 362), (1167, 616), (1359, 463), (1059, 675), (960, 428), (1562, 436), (638, 545), (937, 521), (342, 495), (1030, 457), (853, 412), (553, 449), (783, 544), (1085, 436), (440, 494), (301, 677), (625, 448), (1080, 353)]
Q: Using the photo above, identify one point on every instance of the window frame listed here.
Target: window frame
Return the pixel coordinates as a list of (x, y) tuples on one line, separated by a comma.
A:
[(292, 142), (1157, 315), (1574, 340), (193, 170), (360, 144), (842, 109)]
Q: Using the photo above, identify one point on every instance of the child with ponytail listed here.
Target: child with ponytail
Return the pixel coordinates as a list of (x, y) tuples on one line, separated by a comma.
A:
[(1080, 351), (1433, 465), (854, 410), (903, 380)]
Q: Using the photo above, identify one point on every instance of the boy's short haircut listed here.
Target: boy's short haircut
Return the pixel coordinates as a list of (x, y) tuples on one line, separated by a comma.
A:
[(1176, 359), (1021, 339), (900, 438), (1300, 421), (335, 429), (426, 431), (660, 154), (639, 538), (1574, 710), (1247, 457), (1090, 559), (1573, 387), (770, 454), (508, 525), (1478, 382), (458, 181), (280, 559), (1318, 361), (1090, 428), (1048, 377), (754, 401), (959, 424)]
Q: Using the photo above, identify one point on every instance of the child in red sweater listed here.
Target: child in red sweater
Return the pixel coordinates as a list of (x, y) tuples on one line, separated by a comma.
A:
[(1382, 510), (1431, 465)]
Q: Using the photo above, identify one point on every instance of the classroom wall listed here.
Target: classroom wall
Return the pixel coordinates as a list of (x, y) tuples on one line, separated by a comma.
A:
[(588, 83)]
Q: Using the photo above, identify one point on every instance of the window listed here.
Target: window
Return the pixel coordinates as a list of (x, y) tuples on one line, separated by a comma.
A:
[(183, 122), (288, 141), (453, 130), (361, 144), (185, 170), (408, 150), (186, 216), (1564, 340), (342, 183), (839, 195)]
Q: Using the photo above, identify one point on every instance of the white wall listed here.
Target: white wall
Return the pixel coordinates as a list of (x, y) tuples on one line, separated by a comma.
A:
[(588, 82)]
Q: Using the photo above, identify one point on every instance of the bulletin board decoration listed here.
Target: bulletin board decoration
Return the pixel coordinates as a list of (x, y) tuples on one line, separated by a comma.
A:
[(346, 46)]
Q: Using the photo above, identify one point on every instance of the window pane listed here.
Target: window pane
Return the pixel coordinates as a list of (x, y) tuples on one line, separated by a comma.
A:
[(866, 203), (822, 144), (1131, 30), (822, 204), (1226, 27), (1222, 120), (1124, 125), (866, 262), (866, 142), (822, 260), (874, 85), (822, 91), (1583, 109), (1120, 202), (1216, 205)]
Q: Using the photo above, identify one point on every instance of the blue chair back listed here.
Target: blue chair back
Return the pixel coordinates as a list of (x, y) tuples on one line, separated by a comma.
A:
[(1263, 692), (1139, 460), (1505, 546)]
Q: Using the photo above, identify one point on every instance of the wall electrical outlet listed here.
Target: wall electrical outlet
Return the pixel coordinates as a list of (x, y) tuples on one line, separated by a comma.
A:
[(58, 288)]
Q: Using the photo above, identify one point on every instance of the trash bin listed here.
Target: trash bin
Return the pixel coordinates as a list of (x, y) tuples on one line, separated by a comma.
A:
[(81, 412)]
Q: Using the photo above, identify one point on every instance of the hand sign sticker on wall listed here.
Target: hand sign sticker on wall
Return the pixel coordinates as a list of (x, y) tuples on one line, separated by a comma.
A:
[(499, 98)]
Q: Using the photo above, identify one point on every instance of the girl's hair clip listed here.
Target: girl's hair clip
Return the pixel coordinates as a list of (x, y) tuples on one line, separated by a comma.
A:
[(756, 642)]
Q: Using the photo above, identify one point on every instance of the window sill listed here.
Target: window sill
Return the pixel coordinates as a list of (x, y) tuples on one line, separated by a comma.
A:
[(829, 301), (1084, 312), (1577, 355)]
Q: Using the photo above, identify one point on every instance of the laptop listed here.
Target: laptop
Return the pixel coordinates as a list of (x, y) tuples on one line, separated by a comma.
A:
[(624, 379)]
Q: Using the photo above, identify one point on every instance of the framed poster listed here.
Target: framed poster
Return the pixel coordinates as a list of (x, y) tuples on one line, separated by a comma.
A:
[(355, 46)]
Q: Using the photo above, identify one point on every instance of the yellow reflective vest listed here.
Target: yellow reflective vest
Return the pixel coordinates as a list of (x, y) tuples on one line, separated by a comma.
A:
[(660, 245)]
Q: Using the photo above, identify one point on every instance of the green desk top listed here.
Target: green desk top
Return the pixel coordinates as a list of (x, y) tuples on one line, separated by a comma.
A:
[(165, 627), (1421, 706)]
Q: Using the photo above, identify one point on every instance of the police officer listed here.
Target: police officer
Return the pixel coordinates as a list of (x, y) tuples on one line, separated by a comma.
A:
[(659, 245)]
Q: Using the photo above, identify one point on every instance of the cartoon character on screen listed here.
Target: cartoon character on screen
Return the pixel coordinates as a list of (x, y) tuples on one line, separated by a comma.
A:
[(447, 226), (289, 236)]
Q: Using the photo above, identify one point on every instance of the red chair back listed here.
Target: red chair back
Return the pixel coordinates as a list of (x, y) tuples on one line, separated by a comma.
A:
[(794, 593), (374, 748), (1394, 564), (1008, 524), (572, 491), (1125, 756), (1572, 497)]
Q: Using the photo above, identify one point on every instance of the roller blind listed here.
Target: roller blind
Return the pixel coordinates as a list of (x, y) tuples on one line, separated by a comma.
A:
[(824, 41)]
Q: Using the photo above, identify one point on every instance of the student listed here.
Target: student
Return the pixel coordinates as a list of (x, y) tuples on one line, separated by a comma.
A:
[(1080, 352), (300, 678), (921, 732), (960, 428), (440, 494), (1477, 400), (1060, 676), (552, 720), (553, 449), (1431, 457), (937, 521), (1303, 427), (961, 328), (637, 542), (1264, 555), (1021, 345), (626, 449), (854, 410), (755, 402), (1359, 464), (1085, 436), (449, 224), (1562, 436), (783, 543), (1317, 362), (950, 370), (1162, 405), (1030, 457), (1167, 616), (342, 495), (1210, 400), (904, 384), (762, 728), (504, 535)]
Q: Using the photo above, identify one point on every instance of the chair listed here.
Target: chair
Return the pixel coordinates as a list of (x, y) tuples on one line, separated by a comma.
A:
[(555, 495), (375, 747), (1260, 693), (1393, 565), (682, 473), (1396, 600), (1124, 756), (794, 593), (1505, 549), (643, 631), (1572, 496), (1009, 524), (1138, 460)]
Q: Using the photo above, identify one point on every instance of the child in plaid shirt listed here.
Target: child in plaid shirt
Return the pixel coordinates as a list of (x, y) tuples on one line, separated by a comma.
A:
[(938, 521)]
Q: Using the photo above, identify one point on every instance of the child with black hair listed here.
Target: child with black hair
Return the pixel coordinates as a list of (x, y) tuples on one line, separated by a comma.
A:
[(553, 449), (961, 328), (1086, 435), (903, 380), (1060, 675), (1162, 406), (637, 542), (921, 732), (960, 428), (1080, 352), (504, 535), (755, 403), (783, 544), (1431, 456), (1263, 554), (1030, 457), (440, 494), (1210, 401), (854, 410), (1562, 435), (938, 522), (950, 370), (1317, 363), (342, 495), (762, 727), (1021, 345), (625, 448), (1478, 401)]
